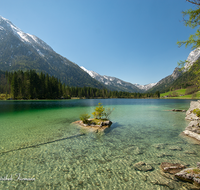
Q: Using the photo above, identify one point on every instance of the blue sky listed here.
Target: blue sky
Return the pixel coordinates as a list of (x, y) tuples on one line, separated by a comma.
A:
[(129, 39)]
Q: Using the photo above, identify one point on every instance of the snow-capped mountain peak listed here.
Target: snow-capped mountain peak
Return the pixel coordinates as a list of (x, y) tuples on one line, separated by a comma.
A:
[(22, 51), (118, 83), (24, 37), (91, 73), (145, 87)]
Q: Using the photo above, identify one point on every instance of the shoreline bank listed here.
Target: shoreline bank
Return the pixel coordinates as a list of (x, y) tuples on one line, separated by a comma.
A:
[(193, 128)]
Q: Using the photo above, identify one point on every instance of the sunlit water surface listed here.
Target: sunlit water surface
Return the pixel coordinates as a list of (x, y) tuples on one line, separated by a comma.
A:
[(39, 142)]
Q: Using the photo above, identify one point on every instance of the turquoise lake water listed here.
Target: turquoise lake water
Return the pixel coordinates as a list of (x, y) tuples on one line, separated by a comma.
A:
[(39, 142)]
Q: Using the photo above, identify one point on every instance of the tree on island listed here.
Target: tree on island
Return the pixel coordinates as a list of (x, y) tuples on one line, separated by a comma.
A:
[(99, 114), (99, 111)]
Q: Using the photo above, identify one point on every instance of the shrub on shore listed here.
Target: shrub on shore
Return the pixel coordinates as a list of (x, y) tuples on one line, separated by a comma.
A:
[(197, 112), (84, 117)]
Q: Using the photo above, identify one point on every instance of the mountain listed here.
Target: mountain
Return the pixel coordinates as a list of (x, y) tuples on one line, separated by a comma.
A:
[(193, 56), (189, 79), (165, 83), (179, 75), (118, 84), (146, 86), (19, 50)]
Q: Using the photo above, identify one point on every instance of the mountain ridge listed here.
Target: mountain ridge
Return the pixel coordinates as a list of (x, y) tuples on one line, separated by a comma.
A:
[(23, 51), (166, 83), (118, 83)]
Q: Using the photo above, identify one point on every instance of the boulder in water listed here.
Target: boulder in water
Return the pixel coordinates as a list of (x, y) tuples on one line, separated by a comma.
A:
[(171, 168), (142, 166)]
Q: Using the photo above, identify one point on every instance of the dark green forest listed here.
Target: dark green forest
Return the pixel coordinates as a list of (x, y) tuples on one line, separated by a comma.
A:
[(189, 79), (32, 85)]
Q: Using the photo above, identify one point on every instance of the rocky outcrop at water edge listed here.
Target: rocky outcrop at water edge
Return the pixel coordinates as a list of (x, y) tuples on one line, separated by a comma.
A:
[(193, 129)]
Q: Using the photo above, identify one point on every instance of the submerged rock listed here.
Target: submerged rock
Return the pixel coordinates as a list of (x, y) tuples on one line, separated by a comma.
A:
[(138, 151), (178, 110), (164, 155), (159, 146), (171, 168), (133, 150), (159, 180), (142, 166), (190, 152), (178, 172), (175, 148)]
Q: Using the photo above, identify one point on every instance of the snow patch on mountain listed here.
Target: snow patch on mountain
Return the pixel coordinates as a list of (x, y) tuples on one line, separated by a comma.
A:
[(112, 81), (24, 37), (146, 87), (119, 82), (91, 73)]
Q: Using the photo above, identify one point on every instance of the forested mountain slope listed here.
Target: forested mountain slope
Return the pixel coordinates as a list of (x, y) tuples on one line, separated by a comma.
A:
[(178, 78), (22, 51)]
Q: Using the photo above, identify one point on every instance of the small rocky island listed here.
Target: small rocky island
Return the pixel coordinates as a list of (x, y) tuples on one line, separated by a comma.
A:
[(94, 124), (100, 122)]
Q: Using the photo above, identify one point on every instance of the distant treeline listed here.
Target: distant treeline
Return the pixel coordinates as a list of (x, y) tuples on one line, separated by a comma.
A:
[(31, 85)]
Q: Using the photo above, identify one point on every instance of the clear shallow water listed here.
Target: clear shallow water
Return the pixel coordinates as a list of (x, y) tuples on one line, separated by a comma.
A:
[(38, 141)]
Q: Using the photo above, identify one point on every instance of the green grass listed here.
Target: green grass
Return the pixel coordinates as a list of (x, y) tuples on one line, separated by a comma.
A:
[(180, 94)]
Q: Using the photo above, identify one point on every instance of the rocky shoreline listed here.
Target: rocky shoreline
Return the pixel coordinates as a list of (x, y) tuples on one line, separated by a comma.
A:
[(179, 171), (193, 129)]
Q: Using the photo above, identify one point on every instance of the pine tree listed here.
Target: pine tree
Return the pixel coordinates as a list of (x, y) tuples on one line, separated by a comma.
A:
[(99, 111), (14, 86), (193, 22)]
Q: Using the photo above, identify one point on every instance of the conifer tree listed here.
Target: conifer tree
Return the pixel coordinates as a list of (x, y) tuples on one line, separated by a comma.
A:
[(99, 111), (14, 86), (193, 22)]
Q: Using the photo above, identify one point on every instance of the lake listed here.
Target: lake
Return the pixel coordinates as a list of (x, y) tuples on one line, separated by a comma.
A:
[(42, 149)]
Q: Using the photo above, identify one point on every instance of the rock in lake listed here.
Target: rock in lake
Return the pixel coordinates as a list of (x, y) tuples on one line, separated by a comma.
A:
[(106, 123), (190, 175), (178, 110), (96, 127), (142, 166), (175, 148), (171, 168)]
